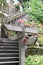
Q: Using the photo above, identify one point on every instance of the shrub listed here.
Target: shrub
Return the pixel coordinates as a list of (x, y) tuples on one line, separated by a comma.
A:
[(36, 10), (34, 60)]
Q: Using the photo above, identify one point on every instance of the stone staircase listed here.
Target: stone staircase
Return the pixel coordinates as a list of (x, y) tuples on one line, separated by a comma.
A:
[(9, 52)]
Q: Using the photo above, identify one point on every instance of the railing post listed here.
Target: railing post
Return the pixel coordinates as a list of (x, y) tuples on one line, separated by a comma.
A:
[(21, 53)]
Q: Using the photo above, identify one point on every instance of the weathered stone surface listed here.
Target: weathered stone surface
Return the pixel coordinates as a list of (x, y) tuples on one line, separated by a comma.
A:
[(18, 28)]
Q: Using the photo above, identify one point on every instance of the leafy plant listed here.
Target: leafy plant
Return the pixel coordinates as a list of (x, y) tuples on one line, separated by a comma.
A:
[(26, 4), (40, 40), (34, 60), (36, 10), (2, 2), (40, 31)]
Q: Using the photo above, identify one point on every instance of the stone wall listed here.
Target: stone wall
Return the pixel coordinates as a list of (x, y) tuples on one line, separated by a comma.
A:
[(34, 51)]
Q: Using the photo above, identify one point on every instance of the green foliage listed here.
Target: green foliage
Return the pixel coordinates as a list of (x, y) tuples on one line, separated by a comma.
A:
[(40, 30), (34, 60), (2, 1), (40, 40), (26, 4), (36, 11), (36, 23)]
